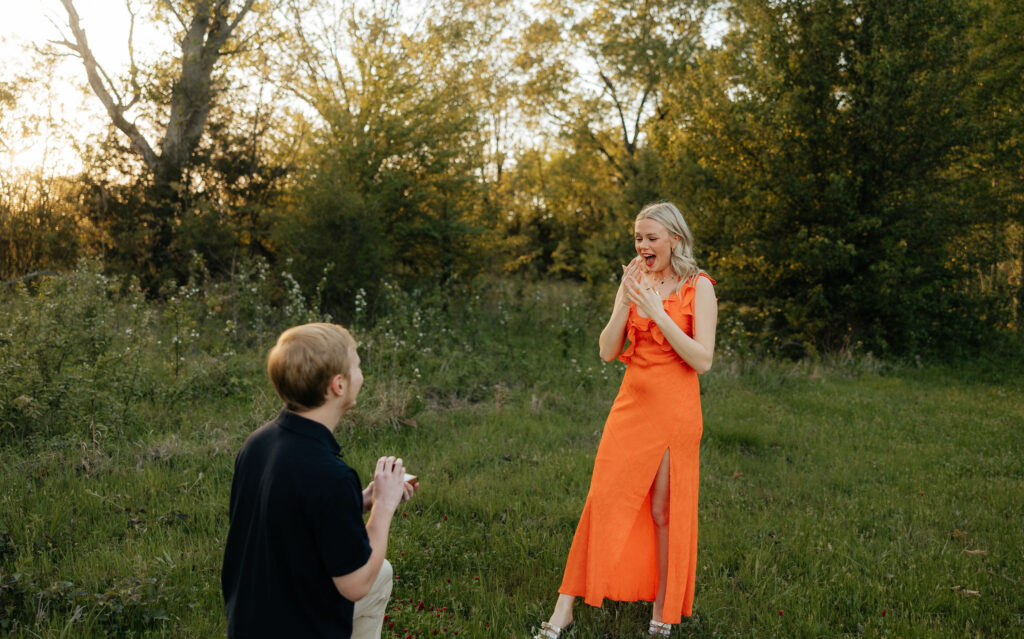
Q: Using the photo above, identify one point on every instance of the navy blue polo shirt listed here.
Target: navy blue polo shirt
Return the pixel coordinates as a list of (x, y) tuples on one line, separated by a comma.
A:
[(296, 521)]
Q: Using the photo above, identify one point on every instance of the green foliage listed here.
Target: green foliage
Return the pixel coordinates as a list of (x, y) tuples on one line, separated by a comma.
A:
[(851, 170), (72, 348), (811, 148), (222, 209), (39, 227), (990, 170), (565, 225), (388, 187), (595, 73), (428, 360), (88, 344)]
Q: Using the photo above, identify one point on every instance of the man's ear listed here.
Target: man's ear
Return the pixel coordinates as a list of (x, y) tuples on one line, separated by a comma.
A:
[(338, 385)]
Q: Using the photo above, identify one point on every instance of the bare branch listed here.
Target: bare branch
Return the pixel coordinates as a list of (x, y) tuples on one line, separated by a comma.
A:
[(604, 152), (64, 43), (96, 77), (639, 113), (133, 69), (618, 107), (218, 33), (58, 28), (241, 14), (111, 86), (178, 16)]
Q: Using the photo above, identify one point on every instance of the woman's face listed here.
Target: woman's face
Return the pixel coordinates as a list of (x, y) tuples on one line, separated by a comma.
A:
[(654, 244)]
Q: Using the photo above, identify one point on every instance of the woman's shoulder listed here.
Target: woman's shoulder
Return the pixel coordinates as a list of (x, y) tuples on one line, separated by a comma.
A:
[(700, 280), (701, 285), (703, 280)]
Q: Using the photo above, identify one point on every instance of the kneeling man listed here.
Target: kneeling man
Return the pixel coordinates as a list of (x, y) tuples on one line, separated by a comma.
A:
[(299, 561)]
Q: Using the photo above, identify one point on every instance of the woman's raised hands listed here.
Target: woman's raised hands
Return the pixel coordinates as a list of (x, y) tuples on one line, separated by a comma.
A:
[(641, 291)]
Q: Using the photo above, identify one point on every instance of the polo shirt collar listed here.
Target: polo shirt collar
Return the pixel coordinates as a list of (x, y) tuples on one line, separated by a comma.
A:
[(295, 423)]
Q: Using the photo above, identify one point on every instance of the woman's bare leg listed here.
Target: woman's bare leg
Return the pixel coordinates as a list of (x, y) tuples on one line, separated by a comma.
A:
[(660, 513), (562, 615)]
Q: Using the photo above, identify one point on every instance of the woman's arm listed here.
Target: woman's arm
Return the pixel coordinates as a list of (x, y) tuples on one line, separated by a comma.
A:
[(614, 333), (697, 351)]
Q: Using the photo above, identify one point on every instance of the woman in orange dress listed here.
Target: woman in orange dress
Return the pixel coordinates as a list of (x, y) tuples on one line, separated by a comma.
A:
[(637, 536)]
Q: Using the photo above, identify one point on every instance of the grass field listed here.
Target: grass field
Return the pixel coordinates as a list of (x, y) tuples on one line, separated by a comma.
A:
[(844, 498)]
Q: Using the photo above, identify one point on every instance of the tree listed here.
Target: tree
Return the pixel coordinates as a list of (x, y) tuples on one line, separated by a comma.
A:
[(206, 32), (595, 70), (393, 155), (813, 147), (993, 166), (41, 225)]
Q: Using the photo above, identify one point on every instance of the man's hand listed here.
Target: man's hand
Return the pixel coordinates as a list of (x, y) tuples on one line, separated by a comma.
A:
[(407, 493), (388, 486)]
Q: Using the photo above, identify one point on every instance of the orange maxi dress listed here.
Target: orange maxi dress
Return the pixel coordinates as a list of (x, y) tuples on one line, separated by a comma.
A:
[(614, 553)]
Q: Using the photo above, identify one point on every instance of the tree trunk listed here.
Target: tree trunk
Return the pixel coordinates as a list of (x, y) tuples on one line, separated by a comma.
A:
[(206, 33)]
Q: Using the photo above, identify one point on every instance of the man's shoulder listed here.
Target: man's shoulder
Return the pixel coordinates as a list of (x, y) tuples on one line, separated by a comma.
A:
[(333, 468), (260, 439)]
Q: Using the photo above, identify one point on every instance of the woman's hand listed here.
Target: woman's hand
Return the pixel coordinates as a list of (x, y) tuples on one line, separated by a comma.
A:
[(630, 272), (640, 290)]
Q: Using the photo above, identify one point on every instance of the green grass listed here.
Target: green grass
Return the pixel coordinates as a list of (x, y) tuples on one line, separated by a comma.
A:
[(850, 504), (857, 499)]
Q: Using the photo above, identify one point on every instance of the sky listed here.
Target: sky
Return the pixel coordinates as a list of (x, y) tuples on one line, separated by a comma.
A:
[(27, 21), (33, 22), (66, 96)]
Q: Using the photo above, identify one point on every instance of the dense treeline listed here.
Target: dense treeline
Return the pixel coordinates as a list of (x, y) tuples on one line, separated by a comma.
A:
[(852, 169)]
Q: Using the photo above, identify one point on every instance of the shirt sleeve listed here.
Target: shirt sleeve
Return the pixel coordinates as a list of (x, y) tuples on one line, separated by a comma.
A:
[(339, 531)]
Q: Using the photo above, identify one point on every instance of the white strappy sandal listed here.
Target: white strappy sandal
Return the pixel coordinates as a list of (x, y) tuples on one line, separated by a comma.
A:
[(659, 629), (549, 631)]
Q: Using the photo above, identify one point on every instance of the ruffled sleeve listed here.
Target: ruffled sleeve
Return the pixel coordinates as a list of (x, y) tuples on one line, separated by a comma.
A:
[(689, 289), (689, 292)]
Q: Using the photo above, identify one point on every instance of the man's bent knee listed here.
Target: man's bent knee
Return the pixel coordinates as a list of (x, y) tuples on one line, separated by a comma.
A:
[(368, 616), (385, 577)]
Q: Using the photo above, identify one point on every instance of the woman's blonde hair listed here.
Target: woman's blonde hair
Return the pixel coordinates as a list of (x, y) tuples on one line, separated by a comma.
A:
[(305, 360), (666, 213)]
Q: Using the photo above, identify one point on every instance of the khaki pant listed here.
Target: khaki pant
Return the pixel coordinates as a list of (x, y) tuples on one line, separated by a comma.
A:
[(368, 615)]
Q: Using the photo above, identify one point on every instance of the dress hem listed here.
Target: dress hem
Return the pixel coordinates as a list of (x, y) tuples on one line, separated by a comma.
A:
[(682, 615)]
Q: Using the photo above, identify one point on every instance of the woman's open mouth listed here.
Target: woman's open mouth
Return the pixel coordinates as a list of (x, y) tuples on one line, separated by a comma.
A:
[(648, 260)]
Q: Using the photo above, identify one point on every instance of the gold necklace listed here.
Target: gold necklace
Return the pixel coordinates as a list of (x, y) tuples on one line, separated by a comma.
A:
[(663, 280)]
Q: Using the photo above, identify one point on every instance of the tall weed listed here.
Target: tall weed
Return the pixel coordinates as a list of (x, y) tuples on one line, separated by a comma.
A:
[(73, 348), (86, 353)]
